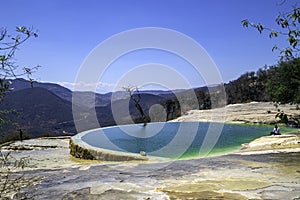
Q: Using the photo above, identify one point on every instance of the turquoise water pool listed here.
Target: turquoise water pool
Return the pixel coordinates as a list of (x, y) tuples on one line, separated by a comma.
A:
[(176, 139)]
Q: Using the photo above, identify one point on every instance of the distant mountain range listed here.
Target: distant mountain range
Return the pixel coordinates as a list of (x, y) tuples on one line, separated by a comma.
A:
[(62, 92), (46, 108), (39, 112)]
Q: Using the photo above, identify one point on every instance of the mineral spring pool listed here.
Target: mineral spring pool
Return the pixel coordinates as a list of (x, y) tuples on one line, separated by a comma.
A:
[(174, 140)]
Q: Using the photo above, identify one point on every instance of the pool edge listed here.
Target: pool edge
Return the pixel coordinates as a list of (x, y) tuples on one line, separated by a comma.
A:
[(83, 152)]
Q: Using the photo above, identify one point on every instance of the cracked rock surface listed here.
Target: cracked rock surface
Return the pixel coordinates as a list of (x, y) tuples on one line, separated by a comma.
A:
[(243, 175)]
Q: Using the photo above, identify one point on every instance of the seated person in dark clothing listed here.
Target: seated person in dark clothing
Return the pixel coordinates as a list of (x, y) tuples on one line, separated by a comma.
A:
[(276, 131)]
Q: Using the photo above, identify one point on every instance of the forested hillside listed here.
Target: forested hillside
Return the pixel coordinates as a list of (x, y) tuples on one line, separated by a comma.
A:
[(279, 83)]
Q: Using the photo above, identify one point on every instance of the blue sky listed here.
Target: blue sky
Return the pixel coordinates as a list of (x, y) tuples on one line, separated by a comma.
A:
[(69, 30)]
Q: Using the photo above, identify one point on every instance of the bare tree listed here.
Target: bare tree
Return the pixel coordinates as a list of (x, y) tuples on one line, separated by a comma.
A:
[(131, 90)]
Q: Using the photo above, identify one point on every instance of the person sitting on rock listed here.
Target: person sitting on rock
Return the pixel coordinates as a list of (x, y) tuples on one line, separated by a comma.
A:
[(276, 131)]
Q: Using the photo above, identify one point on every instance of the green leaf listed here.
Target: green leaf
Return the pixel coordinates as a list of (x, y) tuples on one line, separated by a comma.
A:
[(273, 34), (21, 29), (284, 23), (293, 33), (288, 52), (274, 48), (245, 23), (17, 38), (293, 41), (3, 58), (260, 28), (28, 32), (294, 16)]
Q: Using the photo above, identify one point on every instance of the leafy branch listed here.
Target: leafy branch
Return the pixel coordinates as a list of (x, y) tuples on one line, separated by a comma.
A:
[(8, 46), (289, 23)]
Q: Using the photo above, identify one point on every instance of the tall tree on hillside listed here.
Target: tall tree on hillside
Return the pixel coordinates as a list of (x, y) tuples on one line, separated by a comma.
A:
[(283, 84), (250, 86)]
